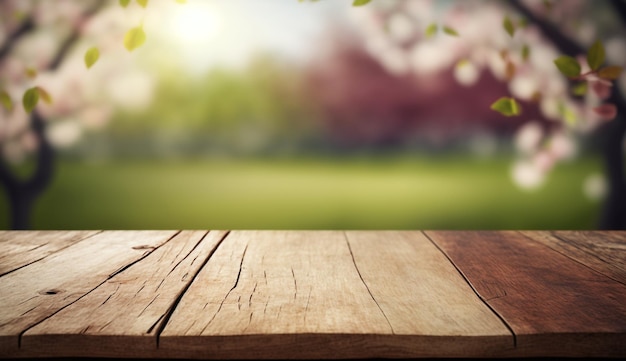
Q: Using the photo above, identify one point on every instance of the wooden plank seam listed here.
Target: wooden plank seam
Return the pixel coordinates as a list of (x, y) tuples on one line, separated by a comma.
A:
[(474, 289), (586, 252), (50, 254), (181, 294), (388, 294), (143, 256), (365, 283)]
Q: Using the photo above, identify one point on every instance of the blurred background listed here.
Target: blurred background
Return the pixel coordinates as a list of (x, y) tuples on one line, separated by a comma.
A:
[(287, 114)]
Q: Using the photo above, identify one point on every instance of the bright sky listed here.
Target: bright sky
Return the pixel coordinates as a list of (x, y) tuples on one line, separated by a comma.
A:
[(228, 32)]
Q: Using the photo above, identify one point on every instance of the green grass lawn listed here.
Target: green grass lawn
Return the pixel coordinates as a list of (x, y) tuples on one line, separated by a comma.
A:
[(382, 193)]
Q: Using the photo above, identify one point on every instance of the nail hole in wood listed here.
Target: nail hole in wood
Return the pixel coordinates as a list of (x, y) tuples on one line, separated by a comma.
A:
[(50, 292), (143, 247)]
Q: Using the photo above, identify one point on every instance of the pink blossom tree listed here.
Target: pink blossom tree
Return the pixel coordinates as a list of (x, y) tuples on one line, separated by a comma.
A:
[(564, 56), (54, 59)]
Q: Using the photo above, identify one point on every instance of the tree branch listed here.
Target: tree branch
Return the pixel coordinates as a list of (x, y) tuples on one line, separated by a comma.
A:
[(25, 27), (613, 215), (45, 152), (565, 44), (620, 9), (73, 38), (7, 177), (23, 192), (45, 156)]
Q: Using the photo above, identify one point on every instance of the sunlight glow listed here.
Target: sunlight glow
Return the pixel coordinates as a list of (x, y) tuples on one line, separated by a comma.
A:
[(194, 24)]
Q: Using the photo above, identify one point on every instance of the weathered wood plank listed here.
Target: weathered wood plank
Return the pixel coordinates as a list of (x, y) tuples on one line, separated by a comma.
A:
[(35, 292), (122, 317), (271, 295), (263, 295), (604, 251), (555, 305), (422, 294), (20, 248)]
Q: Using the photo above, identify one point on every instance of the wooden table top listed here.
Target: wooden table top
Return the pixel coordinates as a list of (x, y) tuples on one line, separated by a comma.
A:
[(312, 294)]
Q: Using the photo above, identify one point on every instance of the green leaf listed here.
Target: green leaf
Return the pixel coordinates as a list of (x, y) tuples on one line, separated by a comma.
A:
[(508, 26), (568, 66), (31, 72), (124, 3), (596, 55), (6, 101), (30, 99), (448, 30), (134, 38), (44, 95), (143, 3), (91, 57), (525, 52), (507, 107), (431, 30), (567, 114), (580, 89), (360, 2), (610, 72)]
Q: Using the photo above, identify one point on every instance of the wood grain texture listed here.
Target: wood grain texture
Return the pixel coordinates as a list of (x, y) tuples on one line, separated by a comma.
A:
[(604, 251), (422, 294), (20, 248), (303, 294), (35, 292), (128, 311), (313, 294), (276, 287), (555, 305)]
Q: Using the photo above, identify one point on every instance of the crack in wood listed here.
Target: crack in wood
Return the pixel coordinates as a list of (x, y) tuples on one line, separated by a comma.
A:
[(140, 288), (295, 284), (306, 308), (168, 314), (20, 267), (243, 256), (107, 299), (584, 250), (48, 255), (148, 305), (36, 247), (149, 331), (21, 334), (251, 294), (249, 323), (184, 258), (26, 312), (161, 283), (105, 325), (28, 299), (143, 256), (365, 284), (484, 301)]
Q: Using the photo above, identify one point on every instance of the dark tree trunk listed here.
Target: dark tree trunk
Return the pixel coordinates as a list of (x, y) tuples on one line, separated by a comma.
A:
[(22, 193), (21, 206), (613, 133), (614, 211)]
